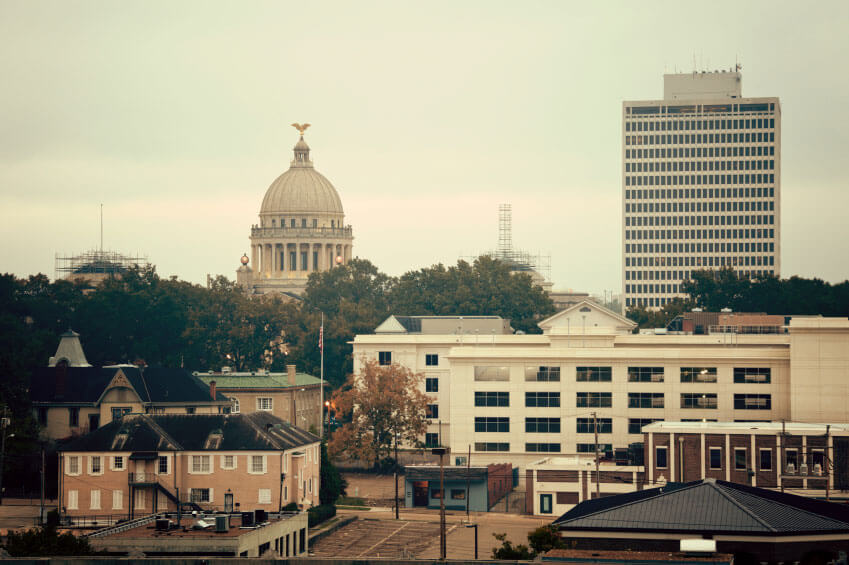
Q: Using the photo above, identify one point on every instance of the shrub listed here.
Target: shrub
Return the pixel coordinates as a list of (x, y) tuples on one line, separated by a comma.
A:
[(318, 514)]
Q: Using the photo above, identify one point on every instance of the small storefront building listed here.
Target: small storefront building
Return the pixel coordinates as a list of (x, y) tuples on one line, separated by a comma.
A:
[(479, 487)]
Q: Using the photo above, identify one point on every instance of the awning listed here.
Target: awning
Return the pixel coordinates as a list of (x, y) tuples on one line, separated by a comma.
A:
[(143, 455)]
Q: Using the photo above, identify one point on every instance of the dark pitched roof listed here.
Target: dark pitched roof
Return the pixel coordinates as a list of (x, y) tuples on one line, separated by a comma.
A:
[(238, 432), (708, 506), (411, 323), (85, 385)]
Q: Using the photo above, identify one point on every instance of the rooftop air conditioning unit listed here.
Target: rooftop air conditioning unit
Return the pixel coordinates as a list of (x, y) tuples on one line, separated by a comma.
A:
[(163, 524), (803, 469), (247, 519), (791, 469), (222, 523)]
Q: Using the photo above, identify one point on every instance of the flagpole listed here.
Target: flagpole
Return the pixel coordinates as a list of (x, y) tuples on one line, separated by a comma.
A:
[(321, 346)]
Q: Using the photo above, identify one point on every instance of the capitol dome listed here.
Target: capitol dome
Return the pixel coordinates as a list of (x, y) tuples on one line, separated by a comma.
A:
[(301, 192), (301, 230)]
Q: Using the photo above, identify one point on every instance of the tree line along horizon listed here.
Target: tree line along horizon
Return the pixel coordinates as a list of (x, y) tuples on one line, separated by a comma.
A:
[(142, 318)]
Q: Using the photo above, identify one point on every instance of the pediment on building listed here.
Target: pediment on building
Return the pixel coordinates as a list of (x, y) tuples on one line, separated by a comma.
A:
[(119, 381), (586, 317)]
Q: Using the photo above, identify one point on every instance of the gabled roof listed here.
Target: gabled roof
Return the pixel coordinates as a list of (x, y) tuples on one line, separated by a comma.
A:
[(612, 319), (177, 432), (86, 385), (708, 506)]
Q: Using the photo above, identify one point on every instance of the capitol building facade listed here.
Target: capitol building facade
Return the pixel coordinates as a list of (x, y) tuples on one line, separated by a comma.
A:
[(301, 230)]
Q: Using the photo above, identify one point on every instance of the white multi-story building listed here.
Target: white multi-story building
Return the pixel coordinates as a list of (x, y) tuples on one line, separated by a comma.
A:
[(511, 397), (701, 185)]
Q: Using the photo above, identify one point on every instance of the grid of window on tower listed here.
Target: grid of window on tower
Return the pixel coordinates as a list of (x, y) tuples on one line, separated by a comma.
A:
[(700, 192)]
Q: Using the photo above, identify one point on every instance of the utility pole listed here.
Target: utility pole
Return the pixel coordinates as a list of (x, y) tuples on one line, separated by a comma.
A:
[(597, 481), (396, 473), (441, 451), (321, 385), (468, 480), (3, 424), (41, 513)]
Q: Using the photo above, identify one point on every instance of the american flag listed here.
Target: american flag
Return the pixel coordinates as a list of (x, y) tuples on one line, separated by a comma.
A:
[(321, 338)]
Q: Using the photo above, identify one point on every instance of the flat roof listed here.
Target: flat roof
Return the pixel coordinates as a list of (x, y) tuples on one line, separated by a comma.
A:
[(747, 427), (625, 556), (185, 531)]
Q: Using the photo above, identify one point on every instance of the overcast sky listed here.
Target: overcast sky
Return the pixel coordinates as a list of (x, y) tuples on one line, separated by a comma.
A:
[(426, 116)]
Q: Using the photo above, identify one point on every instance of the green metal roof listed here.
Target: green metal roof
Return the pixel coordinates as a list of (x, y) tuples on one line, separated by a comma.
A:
[(249, 380)]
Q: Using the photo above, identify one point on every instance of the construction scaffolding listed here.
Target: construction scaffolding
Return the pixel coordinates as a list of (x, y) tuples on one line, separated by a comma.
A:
[(96, 264), (519, 260)]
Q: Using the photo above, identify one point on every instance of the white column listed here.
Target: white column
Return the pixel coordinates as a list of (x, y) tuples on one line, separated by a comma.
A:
[(649, 453), (779, 461), (671, 457), (702, 454), (728, 457), (753, 461)]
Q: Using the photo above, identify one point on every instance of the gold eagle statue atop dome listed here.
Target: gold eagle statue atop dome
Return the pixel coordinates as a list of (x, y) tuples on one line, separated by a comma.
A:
[(301, 127)]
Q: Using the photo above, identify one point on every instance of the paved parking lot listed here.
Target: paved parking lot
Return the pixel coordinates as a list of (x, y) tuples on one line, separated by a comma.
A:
[(417, 534)]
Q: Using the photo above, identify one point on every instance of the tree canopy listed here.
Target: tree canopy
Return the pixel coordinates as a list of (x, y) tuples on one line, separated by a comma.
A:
[(382, 407), (713, 290)]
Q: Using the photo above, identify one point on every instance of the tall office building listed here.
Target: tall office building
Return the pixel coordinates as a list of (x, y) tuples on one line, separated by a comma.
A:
[(701, 185)]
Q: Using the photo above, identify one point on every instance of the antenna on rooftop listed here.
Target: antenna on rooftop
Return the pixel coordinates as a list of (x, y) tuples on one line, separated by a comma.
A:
[(101, 227)]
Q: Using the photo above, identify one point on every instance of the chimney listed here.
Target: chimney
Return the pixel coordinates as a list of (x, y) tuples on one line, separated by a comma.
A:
[(290, 369), (212, 389)]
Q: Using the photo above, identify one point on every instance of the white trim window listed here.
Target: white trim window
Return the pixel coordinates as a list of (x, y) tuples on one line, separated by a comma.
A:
[(228, 462), (285, 463), (264, 403), (139, 499), (116, 463), (95, 499), (201, 495), (258, 465), (201, 465), (264, 496), (73, 500), (163, 465), (117, 500), (236, 408), (73, 465), (95, 465)]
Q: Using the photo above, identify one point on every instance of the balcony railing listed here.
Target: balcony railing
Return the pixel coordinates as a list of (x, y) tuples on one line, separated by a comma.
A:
[(300, 232)]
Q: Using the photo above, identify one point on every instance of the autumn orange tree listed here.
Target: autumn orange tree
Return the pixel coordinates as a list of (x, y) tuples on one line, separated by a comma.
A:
[(380, 406)]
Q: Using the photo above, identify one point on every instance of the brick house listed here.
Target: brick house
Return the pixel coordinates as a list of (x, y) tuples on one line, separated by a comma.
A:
[(144, 464), (291, 396)]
